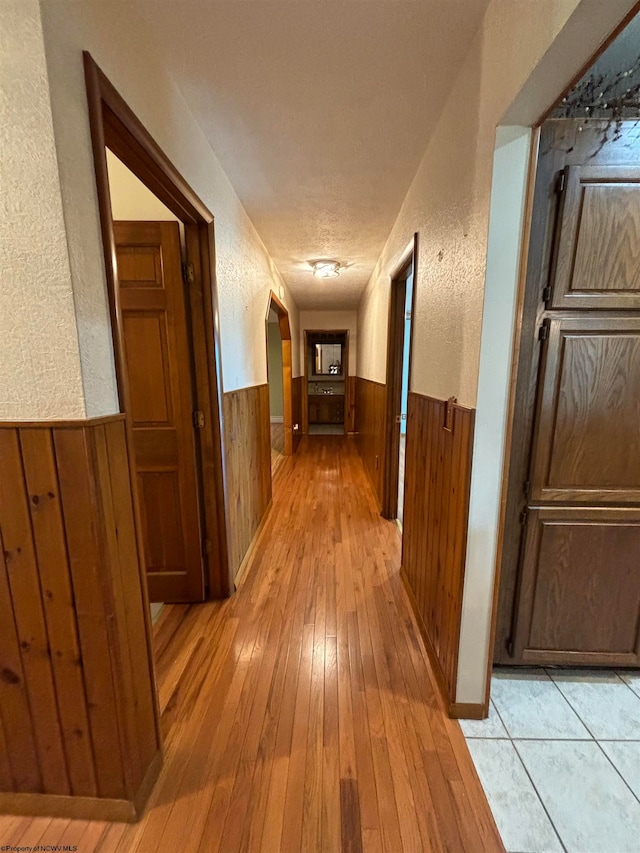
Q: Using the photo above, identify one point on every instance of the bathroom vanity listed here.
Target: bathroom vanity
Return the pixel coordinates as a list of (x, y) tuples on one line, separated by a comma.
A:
[(326, 374)]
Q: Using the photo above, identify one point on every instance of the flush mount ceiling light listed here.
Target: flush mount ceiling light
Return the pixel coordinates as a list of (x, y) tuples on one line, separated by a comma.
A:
[(325, 268)]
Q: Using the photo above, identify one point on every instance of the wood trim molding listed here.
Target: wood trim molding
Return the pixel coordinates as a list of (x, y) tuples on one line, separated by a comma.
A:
[(433, 658), (63, 424), (395, 334), (252, 547), (456, 710), (287, 367), (113, 124), (468, 711), (84, 808)]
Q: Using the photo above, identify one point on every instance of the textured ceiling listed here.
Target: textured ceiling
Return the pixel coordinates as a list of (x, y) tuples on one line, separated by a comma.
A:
[(319, 112)]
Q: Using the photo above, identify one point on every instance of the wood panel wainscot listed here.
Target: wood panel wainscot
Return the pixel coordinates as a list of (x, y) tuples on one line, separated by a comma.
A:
[(436, 509), (350, 405), (248, 458), (297, 386), (370, 401), (79, 734)]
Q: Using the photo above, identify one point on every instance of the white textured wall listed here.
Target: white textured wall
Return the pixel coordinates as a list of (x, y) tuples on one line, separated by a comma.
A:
[(40, 374), (123, 48), (448, 202), (509, 188), (130, 199), (331, 320)]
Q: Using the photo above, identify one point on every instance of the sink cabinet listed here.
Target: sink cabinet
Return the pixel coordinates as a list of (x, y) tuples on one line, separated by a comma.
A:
[(326, 408)]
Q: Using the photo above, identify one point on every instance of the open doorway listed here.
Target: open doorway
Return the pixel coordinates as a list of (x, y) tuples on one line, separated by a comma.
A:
[(398, 382), (159, 266), (150, 249), (326, 371), (276, 390), (279, 377)]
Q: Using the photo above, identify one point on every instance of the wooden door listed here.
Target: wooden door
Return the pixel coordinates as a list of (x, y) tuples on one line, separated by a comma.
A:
[(577, 597), (159, 376)]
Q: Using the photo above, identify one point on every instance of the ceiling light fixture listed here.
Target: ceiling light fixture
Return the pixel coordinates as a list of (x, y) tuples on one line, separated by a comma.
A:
[(325, 268)]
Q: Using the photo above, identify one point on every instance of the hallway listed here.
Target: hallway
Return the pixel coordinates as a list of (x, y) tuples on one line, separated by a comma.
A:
[(301, 714)]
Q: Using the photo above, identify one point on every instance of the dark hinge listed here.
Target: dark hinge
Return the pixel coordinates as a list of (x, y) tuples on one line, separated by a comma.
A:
[(546, 295), (207, 546), (543, 334), (561, 182), (509, 645), (198, 419), (524, 516), (188, 273), (526, 488)]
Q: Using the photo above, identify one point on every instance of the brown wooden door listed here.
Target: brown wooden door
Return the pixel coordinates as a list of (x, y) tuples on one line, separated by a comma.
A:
[(159, 377), (578, 591)]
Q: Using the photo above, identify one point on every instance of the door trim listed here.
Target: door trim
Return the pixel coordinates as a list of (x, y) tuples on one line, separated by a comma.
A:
[(395, 352), (113, 122), (287, 367)]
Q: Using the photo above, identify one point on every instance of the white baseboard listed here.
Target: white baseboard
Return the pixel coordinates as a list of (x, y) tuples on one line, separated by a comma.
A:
[(277, 419)]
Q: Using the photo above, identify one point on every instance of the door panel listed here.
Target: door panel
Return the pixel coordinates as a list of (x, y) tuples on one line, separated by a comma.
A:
[(580, 593), (573, 596), (598, 254), (159, 377), (587, 446)]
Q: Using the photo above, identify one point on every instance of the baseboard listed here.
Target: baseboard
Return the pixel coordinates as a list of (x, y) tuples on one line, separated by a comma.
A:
[(83, 808), (467, 711), (150, 779), (277, 419), (249, 553), (435, 663)]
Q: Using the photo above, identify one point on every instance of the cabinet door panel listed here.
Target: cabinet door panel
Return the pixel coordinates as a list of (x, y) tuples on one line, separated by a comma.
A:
[(598, 246), (587, 442), (580, 593)]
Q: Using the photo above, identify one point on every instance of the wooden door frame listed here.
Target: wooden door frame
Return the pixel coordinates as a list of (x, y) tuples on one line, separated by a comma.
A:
[(287, 367), (305, 389), (395, 352), (113, 124)]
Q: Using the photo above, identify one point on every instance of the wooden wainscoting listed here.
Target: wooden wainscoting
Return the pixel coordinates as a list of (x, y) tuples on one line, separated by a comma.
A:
[(79, 729), (248, 457), (350, 405), (436, 507), (296, 405), (370, 400)]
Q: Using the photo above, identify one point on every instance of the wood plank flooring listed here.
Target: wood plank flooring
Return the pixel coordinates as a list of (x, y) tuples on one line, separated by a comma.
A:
[(301, 714)]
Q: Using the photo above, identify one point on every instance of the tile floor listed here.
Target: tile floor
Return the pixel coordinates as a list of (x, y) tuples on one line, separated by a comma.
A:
[(559, 759)]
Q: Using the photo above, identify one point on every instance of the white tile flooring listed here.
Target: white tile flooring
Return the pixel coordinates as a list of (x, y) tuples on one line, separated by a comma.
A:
[(559, 759)]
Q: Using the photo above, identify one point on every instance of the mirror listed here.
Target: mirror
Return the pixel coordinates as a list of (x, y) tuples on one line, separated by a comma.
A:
[(328, 359)]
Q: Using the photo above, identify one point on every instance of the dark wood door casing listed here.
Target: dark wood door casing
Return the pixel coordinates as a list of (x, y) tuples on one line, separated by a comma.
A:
[(408, 268), (159, 372), (114, 125), (568, 593)]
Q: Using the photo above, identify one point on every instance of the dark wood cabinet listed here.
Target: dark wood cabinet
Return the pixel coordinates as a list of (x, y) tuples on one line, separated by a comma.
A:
[(326, 408)]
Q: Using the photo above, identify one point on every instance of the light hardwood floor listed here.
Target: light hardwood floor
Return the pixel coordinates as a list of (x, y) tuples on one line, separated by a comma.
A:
[(301, 714)]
